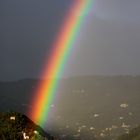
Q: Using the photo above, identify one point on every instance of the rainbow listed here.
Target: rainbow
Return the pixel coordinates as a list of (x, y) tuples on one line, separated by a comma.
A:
[(60, 51)]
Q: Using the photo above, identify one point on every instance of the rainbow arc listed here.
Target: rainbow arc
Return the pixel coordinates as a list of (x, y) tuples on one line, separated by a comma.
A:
[(60, 52)]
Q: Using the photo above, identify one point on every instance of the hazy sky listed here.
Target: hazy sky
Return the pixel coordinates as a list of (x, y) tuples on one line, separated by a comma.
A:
[(109, 42)]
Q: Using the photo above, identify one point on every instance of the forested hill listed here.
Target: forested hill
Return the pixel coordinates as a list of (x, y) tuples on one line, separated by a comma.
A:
[(16, 126), (84, 107)]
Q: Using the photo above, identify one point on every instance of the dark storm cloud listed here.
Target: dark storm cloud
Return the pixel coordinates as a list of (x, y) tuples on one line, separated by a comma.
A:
[(27, 30), (118, 9), (111, 40), (108, 43)]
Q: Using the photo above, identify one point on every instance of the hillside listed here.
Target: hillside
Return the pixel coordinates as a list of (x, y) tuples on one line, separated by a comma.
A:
[(16, 126), (84, 106), (134, 134)]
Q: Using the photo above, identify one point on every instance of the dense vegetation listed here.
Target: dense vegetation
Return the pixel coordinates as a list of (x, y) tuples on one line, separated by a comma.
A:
[(13, 125)]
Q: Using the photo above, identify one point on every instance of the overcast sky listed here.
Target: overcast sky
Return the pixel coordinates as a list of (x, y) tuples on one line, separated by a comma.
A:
[(109, 41)]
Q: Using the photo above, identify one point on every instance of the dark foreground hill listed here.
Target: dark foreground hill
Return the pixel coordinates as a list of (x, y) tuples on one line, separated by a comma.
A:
[(16, 126)]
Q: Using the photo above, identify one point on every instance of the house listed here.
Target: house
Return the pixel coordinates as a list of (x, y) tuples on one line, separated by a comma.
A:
[(13, 118)]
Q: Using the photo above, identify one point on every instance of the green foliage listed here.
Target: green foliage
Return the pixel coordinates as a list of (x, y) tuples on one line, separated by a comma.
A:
[(12, 129)]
